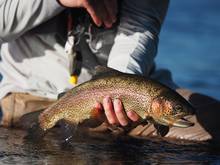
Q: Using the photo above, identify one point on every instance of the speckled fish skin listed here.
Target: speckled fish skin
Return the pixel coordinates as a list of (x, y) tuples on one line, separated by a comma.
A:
[(148, 98)]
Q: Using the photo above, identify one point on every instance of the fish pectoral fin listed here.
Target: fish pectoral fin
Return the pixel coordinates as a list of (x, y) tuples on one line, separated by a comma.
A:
[(161, 129), (182, 123)]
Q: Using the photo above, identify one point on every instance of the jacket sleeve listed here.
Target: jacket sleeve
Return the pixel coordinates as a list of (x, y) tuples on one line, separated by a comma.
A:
[(19, 16), (135, 45)]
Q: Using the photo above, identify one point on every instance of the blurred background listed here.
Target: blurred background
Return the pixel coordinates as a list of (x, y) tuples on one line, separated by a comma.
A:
[(190, 45)]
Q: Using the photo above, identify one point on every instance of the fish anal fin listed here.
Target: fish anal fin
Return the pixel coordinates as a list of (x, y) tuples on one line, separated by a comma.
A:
[(104, 127)]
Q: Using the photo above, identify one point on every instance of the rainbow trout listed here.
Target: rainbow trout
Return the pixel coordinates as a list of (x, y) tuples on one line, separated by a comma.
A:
[(148, 98)]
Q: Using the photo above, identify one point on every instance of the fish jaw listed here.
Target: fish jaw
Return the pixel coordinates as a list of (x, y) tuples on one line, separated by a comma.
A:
[(181, 123)]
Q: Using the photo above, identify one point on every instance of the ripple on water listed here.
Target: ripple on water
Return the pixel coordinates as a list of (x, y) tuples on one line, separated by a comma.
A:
[(101, 149)]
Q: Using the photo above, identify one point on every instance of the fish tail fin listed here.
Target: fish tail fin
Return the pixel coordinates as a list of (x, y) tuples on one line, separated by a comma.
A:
[(35, 133)]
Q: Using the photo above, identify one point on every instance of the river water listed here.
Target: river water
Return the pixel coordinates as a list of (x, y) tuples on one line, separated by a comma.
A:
[(189, 47), (83, 149)]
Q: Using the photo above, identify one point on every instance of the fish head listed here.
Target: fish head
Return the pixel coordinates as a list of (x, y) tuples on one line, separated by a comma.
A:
[(170, 110)]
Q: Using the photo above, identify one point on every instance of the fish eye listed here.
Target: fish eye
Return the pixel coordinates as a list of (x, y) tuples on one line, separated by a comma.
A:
[(178, 107)]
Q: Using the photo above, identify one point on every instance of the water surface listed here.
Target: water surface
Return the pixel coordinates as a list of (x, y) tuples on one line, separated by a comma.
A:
[(104, 150)]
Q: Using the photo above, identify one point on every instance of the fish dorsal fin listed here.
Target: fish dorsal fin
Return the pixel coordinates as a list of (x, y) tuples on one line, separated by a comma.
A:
[(102, 71)]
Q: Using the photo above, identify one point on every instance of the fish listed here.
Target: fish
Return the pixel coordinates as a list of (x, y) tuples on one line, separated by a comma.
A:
[(150, 99)]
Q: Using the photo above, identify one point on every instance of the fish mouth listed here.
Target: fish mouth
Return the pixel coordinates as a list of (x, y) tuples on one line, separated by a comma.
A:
[(183, 123)]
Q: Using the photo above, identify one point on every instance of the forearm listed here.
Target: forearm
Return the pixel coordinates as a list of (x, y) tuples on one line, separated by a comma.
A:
[(136, 42), (19, 16)]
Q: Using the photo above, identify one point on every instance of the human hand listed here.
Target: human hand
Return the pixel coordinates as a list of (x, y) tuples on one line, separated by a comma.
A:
[(115, 112), (101, 11)]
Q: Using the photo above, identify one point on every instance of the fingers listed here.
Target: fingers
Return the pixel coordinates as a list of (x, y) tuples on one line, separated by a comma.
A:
[(109, 110), (116, 114), (104, 15), (120, 113), (133, 116), (92, 10), (102, 12)]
